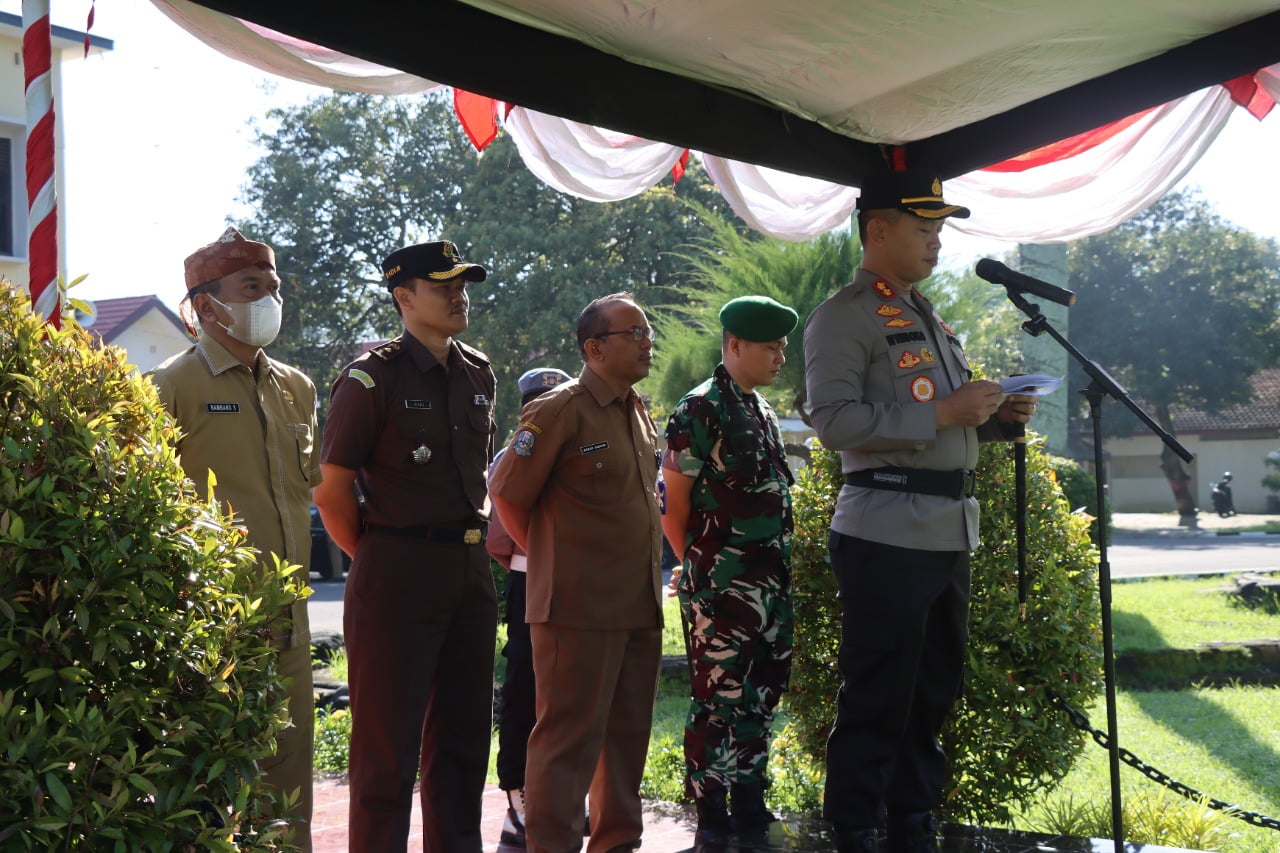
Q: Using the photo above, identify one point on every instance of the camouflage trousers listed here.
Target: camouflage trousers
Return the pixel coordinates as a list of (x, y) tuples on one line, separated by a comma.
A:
[(740, 645)]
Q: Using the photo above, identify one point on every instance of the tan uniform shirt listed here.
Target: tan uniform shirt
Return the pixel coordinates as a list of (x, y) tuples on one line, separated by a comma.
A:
[(258, 436), (585, 463), (876, 360)]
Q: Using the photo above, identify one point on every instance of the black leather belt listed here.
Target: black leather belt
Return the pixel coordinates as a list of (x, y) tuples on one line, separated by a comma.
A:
[(435, 533), (922, 481)]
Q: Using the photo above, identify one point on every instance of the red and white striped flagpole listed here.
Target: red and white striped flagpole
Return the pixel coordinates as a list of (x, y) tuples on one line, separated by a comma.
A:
[(42, 201)]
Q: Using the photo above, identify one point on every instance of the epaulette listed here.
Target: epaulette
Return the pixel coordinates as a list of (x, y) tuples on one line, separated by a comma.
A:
[(472, 352), (391, 349)]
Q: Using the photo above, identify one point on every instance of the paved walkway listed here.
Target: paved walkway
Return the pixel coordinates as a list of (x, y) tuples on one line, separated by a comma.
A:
[(667, 828), (1166, 524)]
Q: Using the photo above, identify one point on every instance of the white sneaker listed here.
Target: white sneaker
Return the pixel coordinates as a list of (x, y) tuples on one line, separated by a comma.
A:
[(513, 825)]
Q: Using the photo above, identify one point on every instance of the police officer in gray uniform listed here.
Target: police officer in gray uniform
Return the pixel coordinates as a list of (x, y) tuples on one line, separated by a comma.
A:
[(891, 390)]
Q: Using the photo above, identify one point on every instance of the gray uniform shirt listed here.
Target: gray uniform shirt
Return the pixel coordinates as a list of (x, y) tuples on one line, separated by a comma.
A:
[(876, 360)]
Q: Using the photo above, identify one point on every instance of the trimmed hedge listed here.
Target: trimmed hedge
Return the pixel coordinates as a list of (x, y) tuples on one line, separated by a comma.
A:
[(138, 688)]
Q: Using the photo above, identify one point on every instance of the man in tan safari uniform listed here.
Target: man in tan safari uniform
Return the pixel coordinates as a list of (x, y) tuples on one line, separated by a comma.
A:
[(251, 420)]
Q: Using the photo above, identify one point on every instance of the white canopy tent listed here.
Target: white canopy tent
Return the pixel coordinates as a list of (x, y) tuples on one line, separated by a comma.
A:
[(789, 104)]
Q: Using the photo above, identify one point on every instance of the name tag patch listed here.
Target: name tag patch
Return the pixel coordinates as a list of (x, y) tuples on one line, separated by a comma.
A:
[(592, 448), (417, 404), (223, 408), (904, 338)]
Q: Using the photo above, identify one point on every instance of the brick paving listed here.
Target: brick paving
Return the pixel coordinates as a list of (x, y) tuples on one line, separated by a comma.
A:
[(666, 828)]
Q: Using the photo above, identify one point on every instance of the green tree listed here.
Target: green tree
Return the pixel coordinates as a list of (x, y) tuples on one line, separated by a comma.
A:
[(1181, 308), (343, 180), (984, 319), (728, 263), (549, 254), (346, 179)]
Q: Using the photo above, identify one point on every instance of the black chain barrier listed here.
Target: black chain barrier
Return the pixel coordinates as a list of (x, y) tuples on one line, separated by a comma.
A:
[(1081, 722)]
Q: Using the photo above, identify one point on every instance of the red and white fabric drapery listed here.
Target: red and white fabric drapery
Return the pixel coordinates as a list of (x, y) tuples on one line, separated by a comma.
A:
[(1075, 188), (42, 204)]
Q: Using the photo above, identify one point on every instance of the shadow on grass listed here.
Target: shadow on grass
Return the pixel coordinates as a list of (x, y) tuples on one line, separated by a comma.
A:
[(1134, 631), (1190, 716)]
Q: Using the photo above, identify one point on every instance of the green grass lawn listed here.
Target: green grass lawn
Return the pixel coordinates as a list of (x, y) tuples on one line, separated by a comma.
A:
[(1181, 613), (1222, 742)]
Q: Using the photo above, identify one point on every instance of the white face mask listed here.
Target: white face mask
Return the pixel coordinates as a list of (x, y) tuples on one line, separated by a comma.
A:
[(254, 323)]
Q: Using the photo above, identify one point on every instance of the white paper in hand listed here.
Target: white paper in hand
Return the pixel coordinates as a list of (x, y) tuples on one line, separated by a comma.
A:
[(1030, 385)]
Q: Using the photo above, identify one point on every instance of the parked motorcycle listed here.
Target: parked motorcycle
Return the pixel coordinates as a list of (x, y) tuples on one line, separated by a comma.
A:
[(1220, 493)]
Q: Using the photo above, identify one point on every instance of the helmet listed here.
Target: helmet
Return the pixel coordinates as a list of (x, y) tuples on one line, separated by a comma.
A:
[(1226, 476)]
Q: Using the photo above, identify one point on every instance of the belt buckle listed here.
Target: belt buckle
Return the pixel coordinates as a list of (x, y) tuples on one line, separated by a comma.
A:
[(968, 482), (471, 537)]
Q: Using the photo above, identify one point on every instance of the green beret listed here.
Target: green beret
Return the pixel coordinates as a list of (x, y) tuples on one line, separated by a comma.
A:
[(758, 319)]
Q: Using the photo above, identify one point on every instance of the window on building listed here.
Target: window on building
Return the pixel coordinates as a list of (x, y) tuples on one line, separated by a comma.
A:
[(6, 196), (13, 207)]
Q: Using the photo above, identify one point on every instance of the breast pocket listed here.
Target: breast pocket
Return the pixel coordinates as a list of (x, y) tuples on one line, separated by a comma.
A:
[(481, 420), (304, 441), (915, 372), (745, 460), (597, 474)]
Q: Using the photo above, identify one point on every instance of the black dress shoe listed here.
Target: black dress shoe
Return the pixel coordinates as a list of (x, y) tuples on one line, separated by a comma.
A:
[(913, 832), (856, 840), (751, 818), (713, 833)]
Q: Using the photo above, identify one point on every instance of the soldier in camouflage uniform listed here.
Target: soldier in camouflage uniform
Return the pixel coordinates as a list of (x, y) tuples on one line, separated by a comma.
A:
[(728, 517)]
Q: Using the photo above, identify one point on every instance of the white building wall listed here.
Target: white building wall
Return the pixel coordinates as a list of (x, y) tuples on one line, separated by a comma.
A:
[(150, 340), (1138, 485)]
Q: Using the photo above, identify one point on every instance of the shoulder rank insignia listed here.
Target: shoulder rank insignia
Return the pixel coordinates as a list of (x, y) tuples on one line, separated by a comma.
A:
[(946, 328), (387, 351), (927, 355), (888, 310), (922, 389), (882, 287), (908, 360), (360, 376), (899, 323)]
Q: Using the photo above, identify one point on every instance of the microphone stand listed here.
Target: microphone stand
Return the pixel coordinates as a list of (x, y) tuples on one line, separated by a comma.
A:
[(1020, 526), (1101, 384)]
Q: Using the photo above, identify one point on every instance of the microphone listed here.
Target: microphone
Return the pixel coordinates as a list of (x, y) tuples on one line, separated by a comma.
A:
[(997, 273)]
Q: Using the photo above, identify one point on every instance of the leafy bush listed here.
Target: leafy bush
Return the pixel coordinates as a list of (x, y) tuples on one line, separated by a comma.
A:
[(1272, 478), (664, 769), (138, 688), (333, 740), (795, 776), (1162, 818), (1005, 740), (1080, 489)]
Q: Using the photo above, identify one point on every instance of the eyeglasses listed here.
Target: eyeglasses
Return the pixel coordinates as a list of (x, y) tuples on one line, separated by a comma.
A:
[(637, 333)]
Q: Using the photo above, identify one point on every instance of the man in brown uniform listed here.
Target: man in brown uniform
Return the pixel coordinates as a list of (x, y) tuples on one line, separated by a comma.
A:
[(411, 422), (577, 490), (252, 421)]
